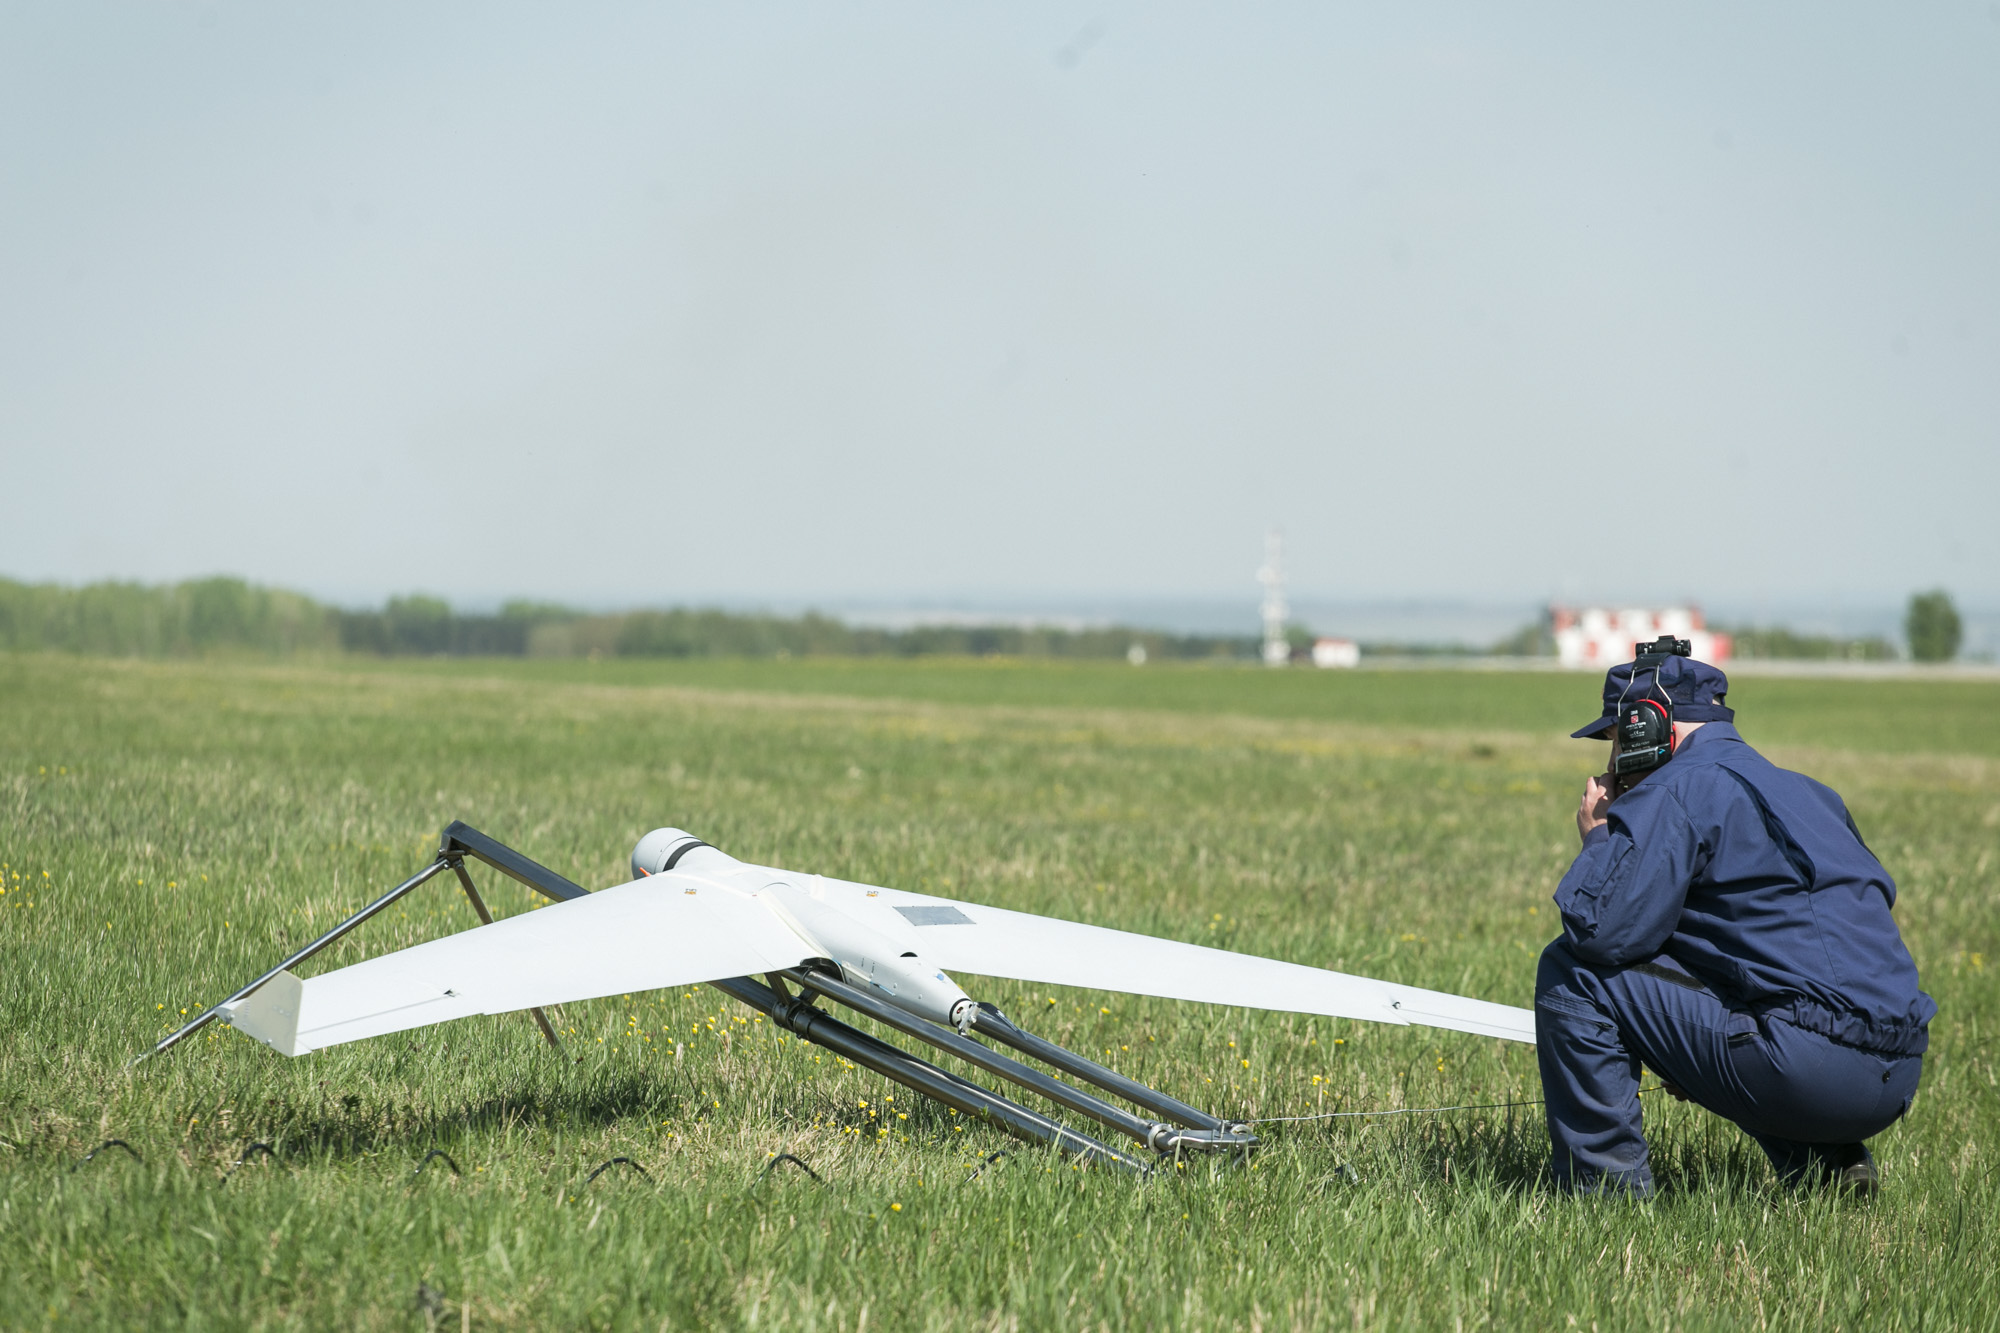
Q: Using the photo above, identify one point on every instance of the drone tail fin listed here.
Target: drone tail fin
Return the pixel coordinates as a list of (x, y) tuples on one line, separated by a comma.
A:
[(270, 1013)]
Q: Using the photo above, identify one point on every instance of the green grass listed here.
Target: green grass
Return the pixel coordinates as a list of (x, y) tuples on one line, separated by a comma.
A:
[(1903, 716), (175, 827)]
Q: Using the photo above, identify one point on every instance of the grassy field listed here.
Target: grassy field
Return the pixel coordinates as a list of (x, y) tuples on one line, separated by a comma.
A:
[(170, 829)]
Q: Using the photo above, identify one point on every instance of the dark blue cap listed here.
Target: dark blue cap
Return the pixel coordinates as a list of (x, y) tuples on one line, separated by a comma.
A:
[(1695, 689)]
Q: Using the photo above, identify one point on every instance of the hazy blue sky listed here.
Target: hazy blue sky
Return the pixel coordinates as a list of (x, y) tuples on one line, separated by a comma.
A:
[(647, 302)]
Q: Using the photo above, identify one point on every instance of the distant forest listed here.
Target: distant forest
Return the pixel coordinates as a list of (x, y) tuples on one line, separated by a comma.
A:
[(228, 614), (231, 615)]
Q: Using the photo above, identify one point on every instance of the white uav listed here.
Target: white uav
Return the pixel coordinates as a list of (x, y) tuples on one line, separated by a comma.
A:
[(711, 916), (695, 914)]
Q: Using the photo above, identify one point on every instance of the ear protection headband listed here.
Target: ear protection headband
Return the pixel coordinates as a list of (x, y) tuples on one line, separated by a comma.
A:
[(1644, 737)]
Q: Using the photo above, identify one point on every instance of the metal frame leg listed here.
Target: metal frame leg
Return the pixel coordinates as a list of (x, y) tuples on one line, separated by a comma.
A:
[(479, 906), (1186, 1130), (822, 1029), (1150, 1133), (996, 1025), (388, 899)]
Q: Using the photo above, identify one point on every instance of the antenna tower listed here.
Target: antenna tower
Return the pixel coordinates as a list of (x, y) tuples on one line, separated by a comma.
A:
[(1277, 649)]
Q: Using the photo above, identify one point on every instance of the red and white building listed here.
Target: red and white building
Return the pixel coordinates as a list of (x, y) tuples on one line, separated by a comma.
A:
[(1336, 653), (1597, 637)]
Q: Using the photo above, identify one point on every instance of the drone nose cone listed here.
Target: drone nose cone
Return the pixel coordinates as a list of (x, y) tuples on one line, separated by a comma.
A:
[(660, 850)]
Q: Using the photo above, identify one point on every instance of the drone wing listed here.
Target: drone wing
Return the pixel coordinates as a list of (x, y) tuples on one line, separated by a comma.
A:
[(645, 935), (994, 942)]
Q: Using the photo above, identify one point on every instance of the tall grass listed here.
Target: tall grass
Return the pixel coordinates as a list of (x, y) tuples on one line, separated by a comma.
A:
[(169, 829)]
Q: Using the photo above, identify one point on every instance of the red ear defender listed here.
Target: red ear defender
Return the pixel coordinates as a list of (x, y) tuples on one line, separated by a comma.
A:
[(1644, 739), (1664, 721)]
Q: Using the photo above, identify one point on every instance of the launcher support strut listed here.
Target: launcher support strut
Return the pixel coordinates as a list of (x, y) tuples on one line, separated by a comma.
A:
[(486, 917), (388, 899)]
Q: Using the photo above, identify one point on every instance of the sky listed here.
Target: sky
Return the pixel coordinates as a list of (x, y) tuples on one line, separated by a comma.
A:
[(631, 304)]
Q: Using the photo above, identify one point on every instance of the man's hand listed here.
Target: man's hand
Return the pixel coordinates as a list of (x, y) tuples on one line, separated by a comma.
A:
[(1596, 800)]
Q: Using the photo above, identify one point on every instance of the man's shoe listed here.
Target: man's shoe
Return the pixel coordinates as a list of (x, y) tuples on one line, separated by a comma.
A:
[(1851, 1172)]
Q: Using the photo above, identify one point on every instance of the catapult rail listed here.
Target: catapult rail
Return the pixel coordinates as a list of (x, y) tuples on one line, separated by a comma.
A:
[(962, 1095), (1190, 1130), (1178, 1128)]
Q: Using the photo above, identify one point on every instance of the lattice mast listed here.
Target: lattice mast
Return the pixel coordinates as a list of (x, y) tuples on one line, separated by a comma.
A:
[(1277, 649)]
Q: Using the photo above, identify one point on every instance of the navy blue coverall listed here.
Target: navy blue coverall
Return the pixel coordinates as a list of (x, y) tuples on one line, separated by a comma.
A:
[(1727, 927)]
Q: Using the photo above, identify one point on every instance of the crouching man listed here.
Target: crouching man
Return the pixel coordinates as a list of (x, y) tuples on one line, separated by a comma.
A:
[(1725, 925)]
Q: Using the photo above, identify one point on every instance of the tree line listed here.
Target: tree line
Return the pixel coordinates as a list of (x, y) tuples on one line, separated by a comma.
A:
[(1932, 629), (229, 614), (138, 620)]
